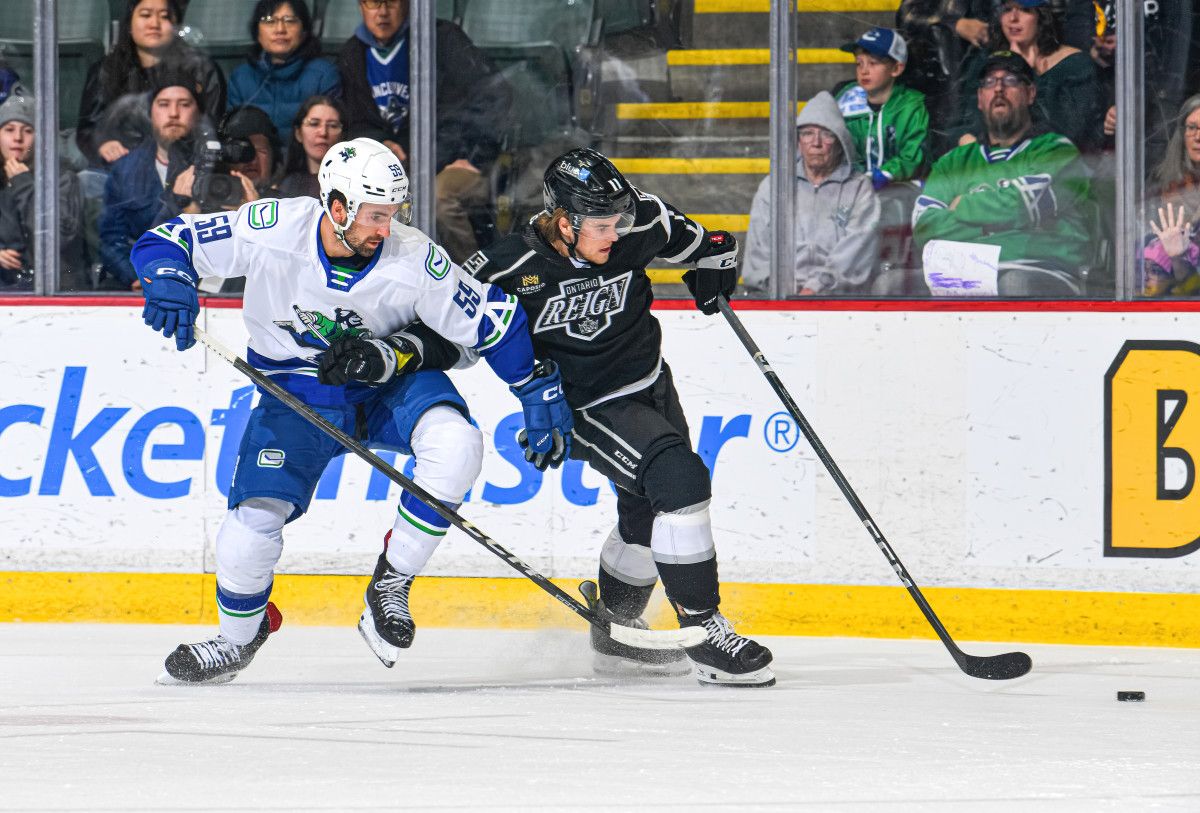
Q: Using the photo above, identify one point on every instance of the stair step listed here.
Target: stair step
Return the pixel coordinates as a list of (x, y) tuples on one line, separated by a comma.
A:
[(732, 30), (749, 82)]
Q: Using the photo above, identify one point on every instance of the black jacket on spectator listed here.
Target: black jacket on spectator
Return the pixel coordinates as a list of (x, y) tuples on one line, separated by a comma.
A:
[(101, 121), (473, 99), (17, 215)]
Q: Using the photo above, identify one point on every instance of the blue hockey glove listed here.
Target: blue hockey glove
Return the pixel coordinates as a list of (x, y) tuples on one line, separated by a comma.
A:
[(171, 301), (546, 437)]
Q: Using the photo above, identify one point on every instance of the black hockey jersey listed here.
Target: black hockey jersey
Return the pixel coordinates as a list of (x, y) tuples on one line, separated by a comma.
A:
[(594, 321)]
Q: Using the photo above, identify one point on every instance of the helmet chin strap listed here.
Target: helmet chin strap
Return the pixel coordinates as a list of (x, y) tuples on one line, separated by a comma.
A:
[(340, 231)]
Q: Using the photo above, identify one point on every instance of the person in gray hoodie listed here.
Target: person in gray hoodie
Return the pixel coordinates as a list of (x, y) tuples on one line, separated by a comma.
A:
[(836, 211)]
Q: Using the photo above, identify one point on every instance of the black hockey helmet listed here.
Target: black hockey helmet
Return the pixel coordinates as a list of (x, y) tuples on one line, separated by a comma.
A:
[(586, 185)]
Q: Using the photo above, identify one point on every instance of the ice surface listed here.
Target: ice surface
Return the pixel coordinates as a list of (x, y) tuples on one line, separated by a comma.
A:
[(515, 720)]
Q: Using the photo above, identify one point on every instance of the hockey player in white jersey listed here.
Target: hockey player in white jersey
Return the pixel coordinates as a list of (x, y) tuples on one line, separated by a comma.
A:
[(338, 297)]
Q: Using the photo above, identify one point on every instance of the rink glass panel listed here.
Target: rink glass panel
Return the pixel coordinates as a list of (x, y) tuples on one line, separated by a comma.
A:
[(676, 93)]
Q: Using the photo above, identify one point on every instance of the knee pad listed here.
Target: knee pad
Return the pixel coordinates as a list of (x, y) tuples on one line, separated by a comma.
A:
[(250, 543), (683, 537), (631, 564), (448, 452), (674, 479)]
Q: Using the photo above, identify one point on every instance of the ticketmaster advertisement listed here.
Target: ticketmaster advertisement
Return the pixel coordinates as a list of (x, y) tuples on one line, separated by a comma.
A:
[(993, 449)]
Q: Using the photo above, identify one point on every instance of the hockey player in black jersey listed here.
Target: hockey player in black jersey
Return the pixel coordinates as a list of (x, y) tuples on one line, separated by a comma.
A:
[(579, 271)]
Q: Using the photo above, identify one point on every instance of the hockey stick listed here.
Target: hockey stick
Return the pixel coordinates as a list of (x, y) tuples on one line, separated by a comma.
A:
[(994, 667), (642, 639)]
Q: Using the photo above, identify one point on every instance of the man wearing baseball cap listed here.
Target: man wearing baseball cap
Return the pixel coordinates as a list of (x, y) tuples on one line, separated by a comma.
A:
[(888, 122), (1020, 187)]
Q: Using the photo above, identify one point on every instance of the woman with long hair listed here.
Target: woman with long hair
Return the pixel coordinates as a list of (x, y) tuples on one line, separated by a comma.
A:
[(1069, 96), (147, 43), (318, 125), (1171, 255), (284, 66)]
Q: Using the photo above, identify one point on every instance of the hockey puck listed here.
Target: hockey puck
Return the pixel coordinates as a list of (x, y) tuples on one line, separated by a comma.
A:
[(1131, 697)]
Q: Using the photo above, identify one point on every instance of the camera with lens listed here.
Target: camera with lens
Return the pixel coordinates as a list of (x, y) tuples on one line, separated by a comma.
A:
[(213, 188)]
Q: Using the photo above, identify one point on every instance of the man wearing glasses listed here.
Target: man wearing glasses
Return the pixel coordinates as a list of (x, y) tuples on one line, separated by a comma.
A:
[(836, 213), (473, 101), (1020, 187)]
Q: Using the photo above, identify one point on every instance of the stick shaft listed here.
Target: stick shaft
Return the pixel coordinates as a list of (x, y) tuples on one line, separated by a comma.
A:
[(836, 473)]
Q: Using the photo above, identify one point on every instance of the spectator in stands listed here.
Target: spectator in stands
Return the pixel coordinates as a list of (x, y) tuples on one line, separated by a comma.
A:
[(1170, 259), (836, 213), (1175, 180), (252, 179), (284, 66), (1068, 93), (938, 34), (137, 181), (16, 203), (146, 45), (887, 122), (1021, 188), (473, 103), (318, 125), (1162, 91)]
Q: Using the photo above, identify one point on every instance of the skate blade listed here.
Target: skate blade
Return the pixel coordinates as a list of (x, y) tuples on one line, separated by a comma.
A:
[(387, 654), (616, 666), (710, 676), (165, 679)]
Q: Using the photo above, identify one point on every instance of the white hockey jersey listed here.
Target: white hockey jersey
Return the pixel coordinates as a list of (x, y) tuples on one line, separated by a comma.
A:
[(297, 300)]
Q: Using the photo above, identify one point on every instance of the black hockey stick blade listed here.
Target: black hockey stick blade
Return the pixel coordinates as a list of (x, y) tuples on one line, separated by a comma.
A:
[(643, 639), (995, 667)]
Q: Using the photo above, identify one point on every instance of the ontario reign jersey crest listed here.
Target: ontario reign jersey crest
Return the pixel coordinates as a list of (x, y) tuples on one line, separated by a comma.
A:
[(584, 308)]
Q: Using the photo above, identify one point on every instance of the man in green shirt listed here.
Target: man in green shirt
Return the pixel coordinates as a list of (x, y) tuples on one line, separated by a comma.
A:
[(1020, 188)]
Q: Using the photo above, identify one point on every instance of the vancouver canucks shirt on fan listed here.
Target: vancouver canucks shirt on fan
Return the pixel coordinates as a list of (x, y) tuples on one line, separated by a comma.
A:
[(387, 74), (298, 300), (594, 321)]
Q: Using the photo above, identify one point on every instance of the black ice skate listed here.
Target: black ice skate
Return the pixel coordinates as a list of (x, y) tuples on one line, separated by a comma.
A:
[(386, 624), (615, 659), (218, 660), (726, 658)]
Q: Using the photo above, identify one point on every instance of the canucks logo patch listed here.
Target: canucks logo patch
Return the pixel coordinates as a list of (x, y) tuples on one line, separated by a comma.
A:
[(347, 153), (264, 215), (584, 308), (319, 331), (271, 458), (437, 265)]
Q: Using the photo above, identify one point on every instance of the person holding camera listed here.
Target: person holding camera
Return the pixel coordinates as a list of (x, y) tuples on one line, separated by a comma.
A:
[(235, 165), (136, 182)]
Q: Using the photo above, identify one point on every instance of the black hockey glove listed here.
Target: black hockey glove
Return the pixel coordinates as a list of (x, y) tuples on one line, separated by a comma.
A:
[(715, 273), (373, 361)]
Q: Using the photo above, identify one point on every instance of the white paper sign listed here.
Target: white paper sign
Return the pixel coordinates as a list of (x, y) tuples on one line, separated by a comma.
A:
[(961, 269)]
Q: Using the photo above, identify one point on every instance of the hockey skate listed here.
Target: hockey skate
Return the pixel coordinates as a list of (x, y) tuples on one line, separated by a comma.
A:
[(614, 659), (386, 624), (217, 660), (726, 658)]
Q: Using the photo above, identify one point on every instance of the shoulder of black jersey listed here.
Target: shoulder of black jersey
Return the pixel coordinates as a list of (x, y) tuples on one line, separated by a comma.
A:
[(506, 257)]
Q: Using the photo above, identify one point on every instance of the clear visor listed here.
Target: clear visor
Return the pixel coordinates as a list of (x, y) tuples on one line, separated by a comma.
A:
[(607, 227), (376, 215)]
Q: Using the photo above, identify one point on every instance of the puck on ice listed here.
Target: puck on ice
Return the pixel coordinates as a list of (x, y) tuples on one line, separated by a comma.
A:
[(1132, 697)]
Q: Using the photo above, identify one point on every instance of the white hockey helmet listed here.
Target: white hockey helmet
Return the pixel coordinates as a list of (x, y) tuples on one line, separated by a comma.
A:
[(364, 171)]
